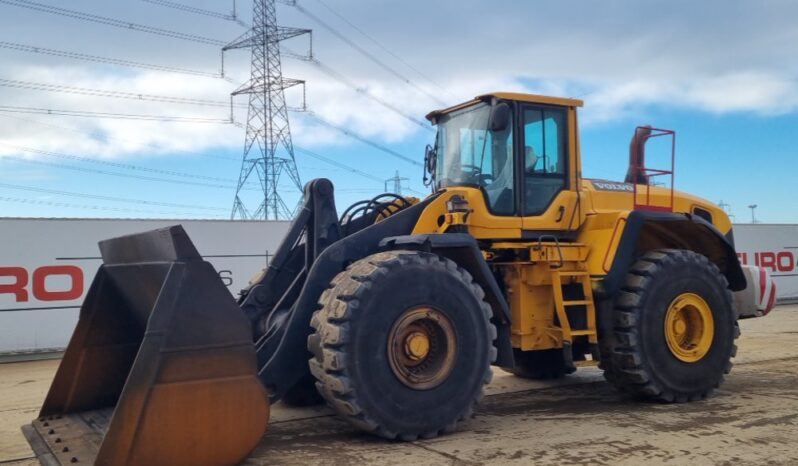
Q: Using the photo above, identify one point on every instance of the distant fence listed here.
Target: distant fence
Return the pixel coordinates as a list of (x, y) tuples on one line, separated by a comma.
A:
[(774, 247), (47, 265)]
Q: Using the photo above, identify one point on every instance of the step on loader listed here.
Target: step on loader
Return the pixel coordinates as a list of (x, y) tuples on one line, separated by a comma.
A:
[(394, 312)]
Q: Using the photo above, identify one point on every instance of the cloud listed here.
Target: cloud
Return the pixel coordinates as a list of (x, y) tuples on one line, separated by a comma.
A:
[(759, 92), (716, 57)]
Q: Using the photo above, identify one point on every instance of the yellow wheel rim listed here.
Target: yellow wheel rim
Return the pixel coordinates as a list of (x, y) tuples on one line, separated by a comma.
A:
[(422, 347), (689, 327)]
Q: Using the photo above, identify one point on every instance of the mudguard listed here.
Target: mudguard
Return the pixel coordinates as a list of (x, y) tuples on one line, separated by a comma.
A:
[(679, 230)]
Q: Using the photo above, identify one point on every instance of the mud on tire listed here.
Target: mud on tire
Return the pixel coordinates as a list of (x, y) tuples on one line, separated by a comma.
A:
[(350, 344)]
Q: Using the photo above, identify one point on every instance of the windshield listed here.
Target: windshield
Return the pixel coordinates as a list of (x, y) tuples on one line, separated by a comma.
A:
[(468, 154)]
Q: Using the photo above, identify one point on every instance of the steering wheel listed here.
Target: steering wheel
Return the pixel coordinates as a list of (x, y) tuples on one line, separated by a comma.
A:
[(473, 174)]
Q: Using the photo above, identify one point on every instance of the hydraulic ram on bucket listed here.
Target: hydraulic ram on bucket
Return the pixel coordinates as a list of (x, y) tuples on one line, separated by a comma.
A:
[(161, 369)]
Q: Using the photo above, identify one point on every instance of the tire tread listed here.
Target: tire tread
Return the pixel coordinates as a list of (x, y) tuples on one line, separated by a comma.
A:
[(622, 360), (339, 307)]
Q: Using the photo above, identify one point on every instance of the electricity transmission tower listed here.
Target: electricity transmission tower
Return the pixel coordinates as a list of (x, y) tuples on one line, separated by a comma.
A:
[(397, 183), (268, 149), (753, 215)]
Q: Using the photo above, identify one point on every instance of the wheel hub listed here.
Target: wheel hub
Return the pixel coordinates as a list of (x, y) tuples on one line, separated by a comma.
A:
[(689, 327), (417, 346), (422, 347)]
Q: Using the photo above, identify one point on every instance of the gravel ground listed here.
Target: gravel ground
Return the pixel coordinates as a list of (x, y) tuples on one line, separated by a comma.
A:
[(751, 420)]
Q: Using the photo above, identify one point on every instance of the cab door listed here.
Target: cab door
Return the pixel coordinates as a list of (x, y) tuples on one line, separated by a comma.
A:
[(548, 170)]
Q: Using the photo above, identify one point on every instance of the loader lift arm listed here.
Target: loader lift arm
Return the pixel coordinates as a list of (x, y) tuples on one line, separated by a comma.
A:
[(271, 294)]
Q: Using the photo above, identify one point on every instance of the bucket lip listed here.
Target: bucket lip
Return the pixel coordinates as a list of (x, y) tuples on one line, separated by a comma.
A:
[(169, 244), (39, 446)]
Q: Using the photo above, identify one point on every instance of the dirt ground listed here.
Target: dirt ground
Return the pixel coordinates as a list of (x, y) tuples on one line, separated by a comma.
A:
[(751, 420)]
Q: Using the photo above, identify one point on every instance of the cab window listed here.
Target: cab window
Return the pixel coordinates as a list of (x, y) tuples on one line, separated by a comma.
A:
[(470, 154), (545, 156)]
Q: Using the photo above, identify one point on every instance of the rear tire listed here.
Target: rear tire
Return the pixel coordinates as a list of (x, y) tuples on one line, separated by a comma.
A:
[(540, 365), (375, 383), (649, 353)]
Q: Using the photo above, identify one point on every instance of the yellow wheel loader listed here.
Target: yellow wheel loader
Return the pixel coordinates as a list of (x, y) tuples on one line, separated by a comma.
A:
[(394, 312)]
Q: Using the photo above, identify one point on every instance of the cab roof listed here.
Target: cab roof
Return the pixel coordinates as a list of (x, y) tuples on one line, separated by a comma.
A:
[(517, 96)]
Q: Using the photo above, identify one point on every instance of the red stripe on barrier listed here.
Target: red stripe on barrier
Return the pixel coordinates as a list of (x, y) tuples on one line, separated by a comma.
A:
[(771, 300)]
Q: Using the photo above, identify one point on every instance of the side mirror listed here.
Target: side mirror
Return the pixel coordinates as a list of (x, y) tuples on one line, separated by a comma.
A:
[(430, 161), (500, 117)]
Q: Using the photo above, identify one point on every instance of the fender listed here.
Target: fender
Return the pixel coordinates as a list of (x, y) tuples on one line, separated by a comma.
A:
[(646, 230), (464, 250)]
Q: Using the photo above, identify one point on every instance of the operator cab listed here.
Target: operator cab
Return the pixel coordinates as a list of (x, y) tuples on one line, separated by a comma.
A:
[(502, 141)]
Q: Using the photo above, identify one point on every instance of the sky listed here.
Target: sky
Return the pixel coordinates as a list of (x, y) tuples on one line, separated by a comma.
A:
[(722, 74)]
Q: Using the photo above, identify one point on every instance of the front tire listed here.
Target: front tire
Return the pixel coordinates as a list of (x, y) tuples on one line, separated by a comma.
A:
[(402, 344), (673, 328)]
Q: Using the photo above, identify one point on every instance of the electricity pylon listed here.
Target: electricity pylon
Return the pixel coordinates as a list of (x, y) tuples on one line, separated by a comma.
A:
[(268, 149)]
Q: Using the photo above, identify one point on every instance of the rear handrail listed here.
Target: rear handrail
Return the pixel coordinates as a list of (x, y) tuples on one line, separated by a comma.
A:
[(639, 168)]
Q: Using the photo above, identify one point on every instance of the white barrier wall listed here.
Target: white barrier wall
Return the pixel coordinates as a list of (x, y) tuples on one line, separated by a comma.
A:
[(47, 265), (774, 247)]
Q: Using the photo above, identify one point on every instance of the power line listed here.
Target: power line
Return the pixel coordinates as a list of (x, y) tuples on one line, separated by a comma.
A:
[(187, 175), (112, 22), (112, 94), (356, 190), (105, 60), (312, 154), (307, 152), (109, 173), (363, 139), (105, 137), (117, 116), (107, 198), (91, 207), (111, 138), (384, 49), (363, 91), (324, 68), (338, 164), (117, 23), (125, 166), (195, 10), (368, 54), (220, 157), (150, 145), (346, 167), (115, 164)]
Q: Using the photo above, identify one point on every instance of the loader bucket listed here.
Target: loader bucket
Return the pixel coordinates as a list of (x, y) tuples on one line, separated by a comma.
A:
[(161, 368)]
